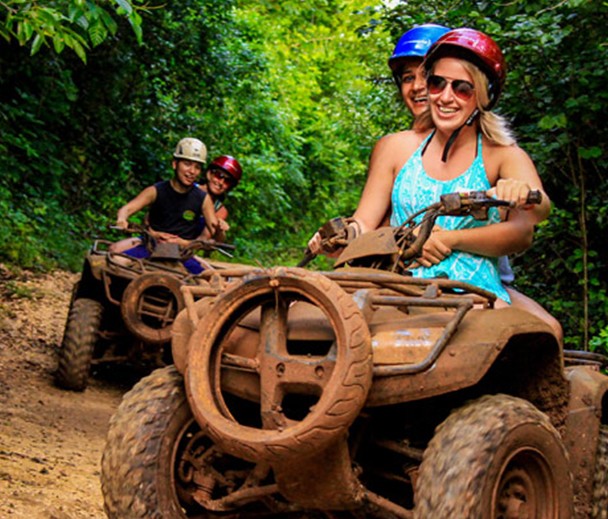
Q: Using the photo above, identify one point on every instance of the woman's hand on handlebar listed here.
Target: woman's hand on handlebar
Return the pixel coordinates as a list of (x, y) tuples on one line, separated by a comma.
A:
[(435, 249), (512, 190), (333, 236), (315, 246)]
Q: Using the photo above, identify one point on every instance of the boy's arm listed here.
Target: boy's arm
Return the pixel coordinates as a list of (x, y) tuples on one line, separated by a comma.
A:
[(215, 226), (144, 199)]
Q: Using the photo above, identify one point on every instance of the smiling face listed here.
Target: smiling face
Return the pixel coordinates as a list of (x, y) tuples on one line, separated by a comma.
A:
[(186, 172), (413, 86), (451, 105), (219, 181)]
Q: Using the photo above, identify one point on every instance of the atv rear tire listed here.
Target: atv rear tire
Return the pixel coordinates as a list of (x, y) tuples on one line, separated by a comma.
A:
[(76, 352), (496, 457), (156, 456)]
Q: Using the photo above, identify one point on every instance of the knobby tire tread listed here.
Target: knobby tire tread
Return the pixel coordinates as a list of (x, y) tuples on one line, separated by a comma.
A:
[(454, 467), (133, 448), (80, 336), (600, 480)]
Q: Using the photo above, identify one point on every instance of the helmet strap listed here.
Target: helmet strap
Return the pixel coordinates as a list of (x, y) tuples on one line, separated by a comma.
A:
[(456, 132)]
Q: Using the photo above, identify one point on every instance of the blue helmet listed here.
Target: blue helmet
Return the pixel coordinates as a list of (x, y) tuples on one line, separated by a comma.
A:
[(414, 44)]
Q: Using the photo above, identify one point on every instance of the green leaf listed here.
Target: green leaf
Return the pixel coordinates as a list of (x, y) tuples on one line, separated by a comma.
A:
[(27, 30), (58, 42), (590, 153), (125, 5), (108, 21), (97, 33), (135, 21), (550, 122), (37, 43), (79, 50)]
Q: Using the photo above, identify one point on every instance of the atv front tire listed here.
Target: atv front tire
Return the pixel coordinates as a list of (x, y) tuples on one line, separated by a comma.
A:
[(156, 457), (494, 458), (79, 339)]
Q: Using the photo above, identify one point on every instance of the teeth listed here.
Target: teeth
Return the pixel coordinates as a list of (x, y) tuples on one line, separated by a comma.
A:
[(420, 100), (445, 110)]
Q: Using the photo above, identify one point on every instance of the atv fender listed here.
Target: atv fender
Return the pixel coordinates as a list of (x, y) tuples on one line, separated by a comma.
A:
[(481, 338), (586, 412)]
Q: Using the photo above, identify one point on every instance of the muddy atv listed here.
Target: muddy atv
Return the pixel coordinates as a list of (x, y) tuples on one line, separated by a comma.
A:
[(122, 308), (358, 393)]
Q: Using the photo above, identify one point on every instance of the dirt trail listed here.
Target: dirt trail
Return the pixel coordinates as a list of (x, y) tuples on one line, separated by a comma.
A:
[(50, 440)]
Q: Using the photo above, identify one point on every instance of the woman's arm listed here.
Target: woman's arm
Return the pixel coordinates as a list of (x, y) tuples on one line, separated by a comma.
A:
[(376, 197), (517, 176), (387, 158), (211, 220), (220, 233), (500, 239)]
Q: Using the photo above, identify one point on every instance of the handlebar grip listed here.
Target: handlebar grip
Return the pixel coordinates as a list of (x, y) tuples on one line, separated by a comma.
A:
[(535, 196), (308, 257), (225, 246)]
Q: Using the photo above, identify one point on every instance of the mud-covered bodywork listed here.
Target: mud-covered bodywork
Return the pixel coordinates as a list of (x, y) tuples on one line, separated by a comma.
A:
[(333, 386), (359, 393), (122, 310)]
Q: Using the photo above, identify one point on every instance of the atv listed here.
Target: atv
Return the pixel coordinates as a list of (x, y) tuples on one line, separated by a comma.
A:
[(122, 308), (361, 392)]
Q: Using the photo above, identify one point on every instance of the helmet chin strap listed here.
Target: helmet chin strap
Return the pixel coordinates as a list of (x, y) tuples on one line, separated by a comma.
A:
[(448, 145)]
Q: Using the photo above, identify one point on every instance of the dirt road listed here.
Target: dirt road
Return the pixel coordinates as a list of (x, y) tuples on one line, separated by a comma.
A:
[(50, 440)]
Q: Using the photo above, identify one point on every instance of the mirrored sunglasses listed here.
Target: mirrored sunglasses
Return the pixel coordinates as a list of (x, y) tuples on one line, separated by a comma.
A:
[(462, 89), (227, 178)]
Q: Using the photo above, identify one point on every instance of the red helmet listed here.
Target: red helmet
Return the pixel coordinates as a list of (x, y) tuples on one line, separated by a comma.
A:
[(230, 165), (476, 47)]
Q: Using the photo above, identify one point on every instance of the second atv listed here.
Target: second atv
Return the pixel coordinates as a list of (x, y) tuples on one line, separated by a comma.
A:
[(122, 308)]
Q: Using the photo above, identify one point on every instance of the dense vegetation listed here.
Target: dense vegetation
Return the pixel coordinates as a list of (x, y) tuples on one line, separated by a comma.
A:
[(94, 95)]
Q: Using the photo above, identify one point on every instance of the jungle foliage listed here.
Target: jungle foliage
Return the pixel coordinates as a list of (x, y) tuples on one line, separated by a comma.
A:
[(95, 94)]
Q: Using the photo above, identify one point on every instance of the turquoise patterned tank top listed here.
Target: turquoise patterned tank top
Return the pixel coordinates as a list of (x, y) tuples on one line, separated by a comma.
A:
[(414, 189)]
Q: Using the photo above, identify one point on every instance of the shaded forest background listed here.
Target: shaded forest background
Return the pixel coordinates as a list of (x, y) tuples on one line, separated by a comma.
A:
[(94, 95)]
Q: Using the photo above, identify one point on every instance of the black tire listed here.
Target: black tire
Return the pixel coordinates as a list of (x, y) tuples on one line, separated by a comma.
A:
[(494, 458), (79, 339), (152, 450), (600, 480)]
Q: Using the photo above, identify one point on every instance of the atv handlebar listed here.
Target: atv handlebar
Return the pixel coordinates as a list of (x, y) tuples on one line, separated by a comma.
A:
[(335, 233), (186, 251), (474, 203), (206, 245)]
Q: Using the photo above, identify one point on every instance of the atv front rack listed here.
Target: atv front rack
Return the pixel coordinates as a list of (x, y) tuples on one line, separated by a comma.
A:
[(371, 289), (133, 267)]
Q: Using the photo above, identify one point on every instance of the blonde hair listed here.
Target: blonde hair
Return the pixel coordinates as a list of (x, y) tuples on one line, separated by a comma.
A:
[(493, 126)]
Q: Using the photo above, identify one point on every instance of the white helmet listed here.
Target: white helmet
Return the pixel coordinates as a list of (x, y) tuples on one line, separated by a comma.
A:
[(191, 149)]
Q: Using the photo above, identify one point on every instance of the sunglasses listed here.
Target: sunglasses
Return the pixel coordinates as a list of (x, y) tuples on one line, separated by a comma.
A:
[(226, 178), (462, 89)]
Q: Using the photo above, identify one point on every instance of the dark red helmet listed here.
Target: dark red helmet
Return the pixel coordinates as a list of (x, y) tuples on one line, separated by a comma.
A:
[(476, 47), (230, 165)]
